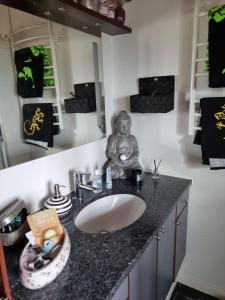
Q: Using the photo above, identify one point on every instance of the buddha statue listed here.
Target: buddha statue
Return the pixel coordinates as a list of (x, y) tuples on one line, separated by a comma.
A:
[(122, 149)]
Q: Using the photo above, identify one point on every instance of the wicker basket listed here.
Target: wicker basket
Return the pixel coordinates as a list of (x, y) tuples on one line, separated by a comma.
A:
[(156, 95), (80, 105), (151, 104)]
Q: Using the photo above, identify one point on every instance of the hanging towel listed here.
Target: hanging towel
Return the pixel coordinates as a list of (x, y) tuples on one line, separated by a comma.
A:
[(30, 72), (216, 46), (212, 136), (38, 128), (48, 72)]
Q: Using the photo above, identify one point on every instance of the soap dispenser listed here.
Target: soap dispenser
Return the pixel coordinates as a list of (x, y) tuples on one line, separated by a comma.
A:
[(62, 204)]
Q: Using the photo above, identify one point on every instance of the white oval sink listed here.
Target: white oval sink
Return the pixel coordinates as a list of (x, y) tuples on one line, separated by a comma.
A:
[(110, 213)]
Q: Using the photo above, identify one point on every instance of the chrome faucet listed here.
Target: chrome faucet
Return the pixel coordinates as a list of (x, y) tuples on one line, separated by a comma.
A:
[(80, 182)]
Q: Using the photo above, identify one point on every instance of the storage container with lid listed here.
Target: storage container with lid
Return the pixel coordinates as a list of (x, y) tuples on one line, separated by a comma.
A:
[(13, 224)]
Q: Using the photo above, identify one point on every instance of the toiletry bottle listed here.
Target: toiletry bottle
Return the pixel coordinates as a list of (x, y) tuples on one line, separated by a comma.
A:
[(97, 181), (109, 178)]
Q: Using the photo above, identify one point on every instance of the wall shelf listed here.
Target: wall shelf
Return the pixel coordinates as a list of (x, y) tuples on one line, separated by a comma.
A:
[(70, 14)]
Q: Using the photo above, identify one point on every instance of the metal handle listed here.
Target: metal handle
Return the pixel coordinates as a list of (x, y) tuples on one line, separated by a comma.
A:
[(179, 224), (184, 202), (163, 230), (61, 9), (157, 237)]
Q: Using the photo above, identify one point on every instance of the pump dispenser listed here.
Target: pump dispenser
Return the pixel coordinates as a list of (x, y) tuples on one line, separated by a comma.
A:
[(62, 204)]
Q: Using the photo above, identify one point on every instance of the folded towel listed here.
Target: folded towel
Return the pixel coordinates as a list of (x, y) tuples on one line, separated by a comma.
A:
[(30, 72), (38, 128), (212, 136), (217, 46)]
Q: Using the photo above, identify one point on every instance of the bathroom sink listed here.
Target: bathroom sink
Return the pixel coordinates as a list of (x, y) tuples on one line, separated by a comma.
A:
[(110, 213)]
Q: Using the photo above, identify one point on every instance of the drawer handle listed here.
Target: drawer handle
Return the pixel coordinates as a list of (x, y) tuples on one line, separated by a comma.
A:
[(179, 224)]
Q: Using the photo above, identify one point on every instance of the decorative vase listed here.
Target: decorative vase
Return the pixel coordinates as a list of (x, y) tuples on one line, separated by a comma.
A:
[(120, 14)]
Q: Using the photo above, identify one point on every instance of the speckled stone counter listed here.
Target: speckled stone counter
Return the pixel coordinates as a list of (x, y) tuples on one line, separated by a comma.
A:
[(98, 264)]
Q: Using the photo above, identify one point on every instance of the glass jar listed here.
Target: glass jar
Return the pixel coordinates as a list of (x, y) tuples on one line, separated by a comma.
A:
[(111, 8), (103, 7)]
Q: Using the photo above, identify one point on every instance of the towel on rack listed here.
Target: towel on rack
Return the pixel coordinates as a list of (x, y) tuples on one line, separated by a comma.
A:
[(38, 128), (216, 48), (212, 136), (30, 72)]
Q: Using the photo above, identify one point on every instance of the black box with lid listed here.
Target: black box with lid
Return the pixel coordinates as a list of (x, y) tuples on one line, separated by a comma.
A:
[(84, 100), (156, 95)]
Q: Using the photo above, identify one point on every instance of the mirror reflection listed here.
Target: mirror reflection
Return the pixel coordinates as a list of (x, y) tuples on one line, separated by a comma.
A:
[(51, 88)]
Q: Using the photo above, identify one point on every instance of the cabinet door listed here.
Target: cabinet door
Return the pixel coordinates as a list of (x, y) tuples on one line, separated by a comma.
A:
[(122, 293), (181, 235), (165, 257), (143, 275)]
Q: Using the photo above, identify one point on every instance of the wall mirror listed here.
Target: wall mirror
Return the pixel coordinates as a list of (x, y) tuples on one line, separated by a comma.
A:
[(73, 88)]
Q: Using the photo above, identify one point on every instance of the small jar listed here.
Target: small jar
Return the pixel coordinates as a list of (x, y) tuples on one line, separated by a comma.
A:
[(111, 9), (103, 7), (137, 177)]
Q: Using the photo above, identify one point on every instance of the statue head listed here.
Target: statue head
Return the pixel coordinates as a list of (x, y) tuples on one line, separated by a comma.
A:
[(123, 123)]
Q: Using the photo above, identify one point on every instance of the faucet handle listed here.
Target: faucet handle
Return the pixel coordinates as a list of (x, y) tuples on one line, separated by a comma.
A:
[(81, 177)]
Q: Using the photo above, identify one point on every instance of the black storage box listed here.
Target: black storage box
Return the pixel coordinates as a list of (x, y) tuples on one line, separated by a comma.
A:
[(83, 90), (156, 95), (80, 105)]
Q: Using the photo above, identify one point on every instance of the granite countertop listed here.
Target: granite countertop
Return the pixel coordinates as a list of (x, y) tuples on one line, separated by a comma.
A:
[(98, 264)]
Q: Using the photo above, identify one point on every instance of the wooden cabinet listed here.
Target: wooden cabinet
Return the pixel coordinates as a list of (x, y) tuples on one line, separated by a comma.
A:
[(152, 276), (70, 13), (143, 276), (180, 239), (155, 271), (165, 250)]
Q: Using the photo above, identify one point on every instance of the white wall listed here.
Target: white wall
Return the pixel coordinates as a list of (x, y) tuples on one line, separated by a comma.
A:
[(74, 55), (161, 45)]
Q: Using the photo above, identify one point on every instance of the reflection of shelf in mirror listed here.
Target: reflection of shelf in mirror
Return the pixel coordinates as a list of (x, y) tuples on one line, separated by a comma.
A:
[(31, 39), (197, 128), (48, 67), (201, 74), (203, 14), (201, 59), (201, 44), (49, 87), (29, 28), (49, 77)]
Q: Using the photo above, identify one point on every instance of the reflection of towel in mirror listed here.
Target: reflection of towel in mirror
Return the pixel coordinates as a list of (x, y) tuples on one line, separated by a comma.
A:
[(30, 72), (217, 46), (212, 136), (38, 128)]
